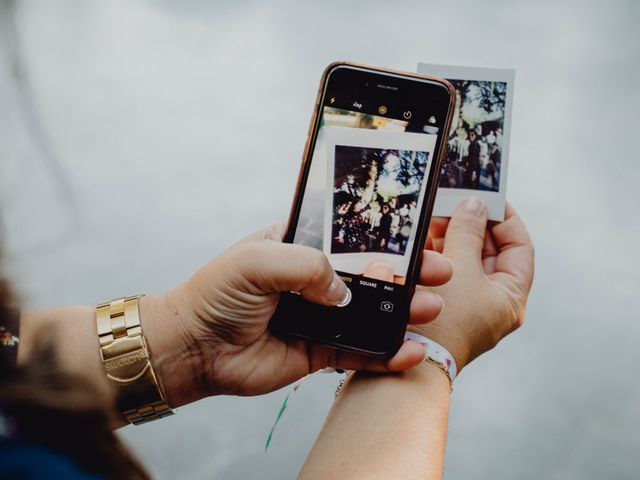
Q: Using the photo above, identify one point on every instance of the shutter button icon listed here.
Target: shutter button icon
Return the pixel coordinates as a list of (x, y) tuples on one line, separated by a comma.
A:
[(346, 301)]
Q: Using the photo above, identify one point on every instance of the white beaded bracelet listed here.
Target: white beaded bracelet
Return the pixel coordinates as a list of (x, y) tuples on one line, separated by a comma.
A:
[(436, 354)]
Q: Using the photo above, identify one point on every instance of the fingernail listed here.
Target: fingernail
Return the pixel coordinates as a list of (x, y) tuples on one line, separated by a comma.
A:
[(441, 302), (453, 267), (473, 205), (337, 292)]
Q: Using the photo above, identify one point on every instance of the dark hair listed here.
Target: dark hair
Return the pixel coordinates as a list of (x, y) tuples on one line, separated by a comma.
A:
[(62, 412)]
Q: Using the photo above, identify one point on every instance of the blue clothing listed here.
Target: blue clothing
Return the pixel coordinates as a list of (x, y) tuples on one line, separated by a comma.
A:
[(28, 461)]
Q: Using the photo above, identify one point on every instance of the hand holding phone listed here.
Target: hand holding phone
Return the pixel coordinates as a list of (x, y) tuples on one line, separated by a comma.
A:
[(219, 341), (364, 198)]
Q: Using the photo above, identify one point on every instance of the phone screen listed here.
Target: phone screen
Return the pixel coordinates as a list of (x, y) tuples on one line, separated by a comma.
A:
[(363, 201)]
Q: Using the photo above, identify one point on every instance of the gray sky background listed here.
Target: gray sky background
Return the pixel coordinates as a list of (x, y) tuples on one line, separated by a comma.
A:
[(156, 133)]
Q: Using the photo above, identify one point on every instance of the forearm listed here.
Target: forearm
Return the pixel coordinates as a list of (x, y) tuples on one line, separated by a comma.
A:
[(384, 426), (72, 330), (74, 333)]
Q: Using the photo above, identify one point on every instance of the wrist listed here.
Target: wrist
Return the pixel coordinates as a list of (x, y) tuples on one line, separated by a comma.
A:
[(450, 337), (173, 358), (413, 380), (430, 373)]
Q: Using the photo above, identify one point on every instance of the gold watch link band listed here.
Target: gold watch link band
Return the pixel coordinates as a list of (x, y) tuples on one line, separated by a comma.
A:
[(126, 360)]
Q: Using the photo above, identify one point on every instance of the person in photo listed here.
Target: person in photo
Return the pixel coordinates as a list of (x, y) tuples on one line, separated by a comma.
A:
[(493, 165), (384, 229), (472, 163)]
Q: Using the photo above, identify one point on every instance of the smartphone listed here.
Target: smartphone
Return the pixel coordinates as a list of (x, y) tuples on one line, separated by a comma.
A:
[(364, 197)]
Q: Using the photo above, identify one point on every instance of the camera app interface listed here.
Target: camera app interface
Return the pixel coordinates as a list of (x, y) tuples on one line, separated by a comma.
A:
[(367, 183)]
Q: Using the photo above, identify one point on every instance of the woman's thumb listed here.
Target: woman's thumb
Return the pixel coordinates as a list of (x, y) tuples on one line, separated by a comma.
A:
[(465, 233), (280, 267)]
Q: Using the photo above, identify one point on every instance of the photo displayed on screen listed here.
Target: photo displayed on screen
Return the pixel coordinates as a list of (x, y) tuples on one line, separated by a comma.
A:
[(375, 198), (365, 188)]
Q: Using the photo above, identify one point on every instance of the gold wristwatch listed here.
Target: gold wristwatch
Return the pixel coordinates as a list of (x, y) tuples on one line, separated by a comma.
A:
[(126, 360)]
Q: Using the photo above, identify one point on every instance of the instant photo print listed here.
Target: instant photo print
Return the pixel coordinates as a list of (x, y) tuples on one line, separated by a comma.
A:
[(381, 176), (478, 147), (365, 190)]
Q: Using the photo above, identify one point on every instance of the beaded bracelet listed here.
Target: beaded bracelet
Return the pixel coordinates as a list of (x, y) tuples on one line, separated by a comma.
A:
[(434, 353)]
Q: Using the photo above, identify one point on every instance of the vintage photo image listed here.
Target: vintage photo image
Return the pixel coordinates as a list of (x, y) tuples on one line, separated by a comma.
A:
[(310, 229), (477, 148), (476, 141), (376, 183), (375, 198)]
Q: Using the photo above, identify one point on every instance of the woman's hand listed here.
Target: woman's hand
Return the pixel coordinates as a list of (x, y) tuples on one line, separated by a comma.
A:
[(493, 271), (211, 334)]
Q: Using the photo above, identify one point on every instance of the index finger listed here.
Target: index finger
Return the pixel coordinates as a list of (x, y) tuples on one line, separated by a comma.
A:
[(435, 235), (514, 262)]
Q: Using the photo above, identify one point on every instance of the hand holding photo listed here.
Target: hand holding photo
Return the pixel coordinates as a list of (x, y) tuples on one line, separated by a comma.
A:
[(478, 146)]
